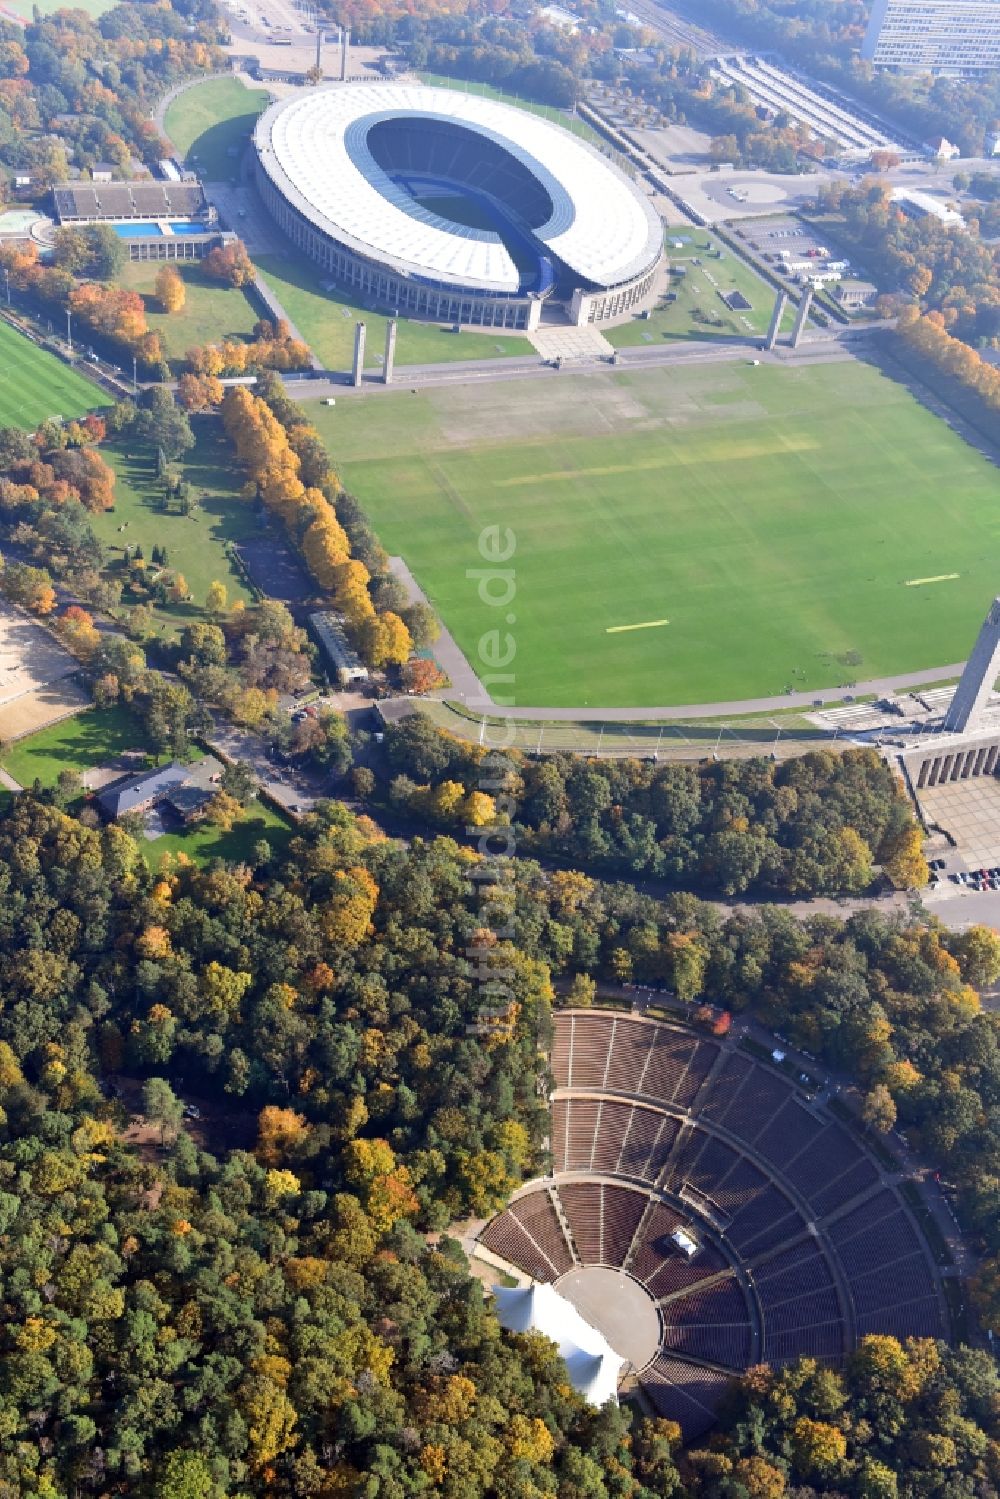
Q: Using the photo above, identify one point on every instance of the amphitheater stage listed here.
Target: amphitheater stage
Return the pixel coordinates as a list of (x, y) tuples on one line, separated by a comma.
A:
[(617, 1306)]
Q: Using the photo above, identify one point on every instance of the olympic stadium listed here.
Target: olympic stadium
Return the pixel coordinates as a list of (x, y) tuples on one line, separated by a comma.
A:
[(456, 208)]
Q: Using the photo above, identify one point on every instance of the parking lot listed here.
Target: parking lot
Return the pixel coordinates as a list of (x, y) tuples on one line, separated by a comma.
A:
[(786, 238)]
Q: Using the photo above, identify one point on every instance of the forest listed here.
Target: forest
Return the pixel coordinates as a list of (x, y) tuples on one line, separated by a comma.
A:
[(817, 824), (263, 1304)]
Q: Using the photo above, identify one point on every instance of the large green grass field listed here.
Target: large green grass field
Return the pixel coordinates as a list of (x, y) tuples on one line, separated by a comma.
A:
[(34, 384), (196, 544), (210, 313), (326, 321), (698, 310), (685, 535), (211, 123)]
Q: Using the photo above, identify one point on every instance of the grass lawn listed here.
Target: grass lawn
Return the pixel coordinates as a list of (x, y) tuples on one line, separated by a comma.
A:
[(196, 543), (91, 738), (548, 111), (203, 842), (210, 313), (686, 535), (211, 123), (699, 311), (326, 320), (34, 384)]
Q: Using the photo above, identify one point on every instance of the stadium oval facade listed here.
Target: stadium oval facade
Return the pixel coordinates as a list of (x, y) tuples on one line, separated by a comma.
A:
[(452, 207)]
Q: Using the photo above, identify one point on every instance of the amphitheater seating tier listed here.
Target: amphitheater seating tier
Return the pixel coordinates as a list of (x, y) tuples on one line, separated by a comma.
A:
[(725, 1148)]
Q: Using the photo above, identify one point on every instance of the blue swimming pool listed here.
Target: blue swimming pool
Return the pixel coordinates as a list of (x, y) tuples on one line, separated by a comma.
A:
[(154, 231)]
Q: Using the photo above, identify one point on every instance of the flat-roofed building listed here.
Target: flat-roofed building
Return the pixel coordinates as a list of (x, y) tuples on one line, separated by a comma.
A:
[(934, 36), (330, 632)]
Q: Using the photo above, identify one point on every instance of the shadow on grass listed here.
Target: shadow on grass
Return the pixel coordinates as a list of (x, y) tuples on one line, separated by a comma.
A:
[(217, 151), (959, 409), (203, 842), (93, 738)]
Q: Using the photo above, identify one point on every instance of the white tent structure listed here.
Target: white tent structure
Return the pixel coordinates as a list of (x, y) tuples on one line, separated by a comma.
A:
[(593, 1365)]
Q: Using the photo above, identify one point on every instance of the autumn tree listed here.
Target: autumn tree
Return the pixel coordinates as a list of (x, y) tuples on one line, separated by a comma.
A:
[(229, 263), (216, 598), (878, 1109), (170, 289), (282, 1136)]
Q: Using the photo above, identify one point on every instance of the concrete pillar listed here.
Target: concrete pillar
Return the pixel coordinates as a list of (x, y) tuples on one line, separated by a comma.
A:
[(780, 303), (981, 760), (390, 350), (935, 773), (991, 759), (922, 775), (359, 354), (954, 766), (801, 317), (981, 670)]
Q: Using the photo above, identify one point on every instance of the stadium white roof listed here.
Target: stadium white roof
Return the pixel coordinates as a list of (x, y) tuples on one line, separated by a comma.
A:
[(314, 148), (593, 1365)]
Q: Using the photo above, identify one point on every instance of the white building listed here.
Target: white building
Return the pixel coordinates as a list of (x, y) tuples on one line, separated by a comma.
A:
[(920, 205), (934, 36)]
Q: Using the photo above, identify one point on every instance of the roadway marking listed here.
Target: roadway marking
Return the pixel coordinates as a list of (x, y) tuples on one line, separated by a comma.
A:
[(649, 624), (941, 578)]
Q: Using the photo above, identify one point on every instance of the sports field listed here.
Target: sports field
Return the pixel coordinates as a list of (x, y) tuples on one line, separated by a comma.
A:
[(34, 384), (685, 535)]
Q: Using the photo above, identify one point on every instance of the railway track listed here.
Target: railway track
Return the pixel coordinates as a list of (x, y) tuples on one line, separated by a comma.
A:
[(678, 31)]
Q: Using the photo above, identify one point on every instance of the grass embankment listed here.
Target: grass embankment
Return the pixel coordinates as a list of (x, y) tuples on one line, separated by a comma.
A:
[(327, 320), (210, 124)]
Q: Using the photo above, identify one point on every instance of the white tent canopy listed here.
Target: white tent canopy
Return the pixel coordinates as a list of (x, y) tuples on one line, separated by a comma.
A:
[(593, 1365)]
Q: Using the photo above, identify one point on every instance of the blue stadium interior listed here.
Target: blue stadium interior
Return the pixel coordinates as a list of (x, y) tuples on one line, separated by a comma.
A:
[(458, 175)]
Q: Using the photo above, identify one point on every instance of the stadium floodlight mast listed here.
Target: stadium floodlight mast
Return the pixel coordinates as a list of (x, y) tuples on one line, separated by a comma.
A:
[(69, 330)]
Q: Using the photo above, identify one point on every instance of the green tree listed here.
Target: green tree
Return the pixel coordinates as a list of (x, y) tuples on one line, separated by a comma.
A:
[(161, 1105)]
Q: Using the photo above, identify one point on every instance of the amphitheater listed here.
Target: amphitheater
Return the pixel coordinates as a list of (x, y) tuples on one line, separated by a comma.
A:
[(457, 208), (705, 1214)]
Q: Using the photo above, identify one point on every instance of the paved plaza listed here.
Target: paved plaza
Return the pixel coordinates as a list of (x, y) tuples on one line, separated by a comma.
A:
[(970, 812)]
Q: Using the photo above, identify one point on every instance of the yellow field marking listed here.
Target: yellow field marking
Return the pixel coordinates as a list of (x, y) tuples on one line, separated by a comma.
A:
[(649, 624), (941, 578), (734, 453)]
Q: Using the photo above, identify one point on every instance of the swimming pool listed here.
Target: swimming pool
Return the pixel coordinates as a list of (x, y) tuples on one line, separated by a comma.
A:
[(154, 231)]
